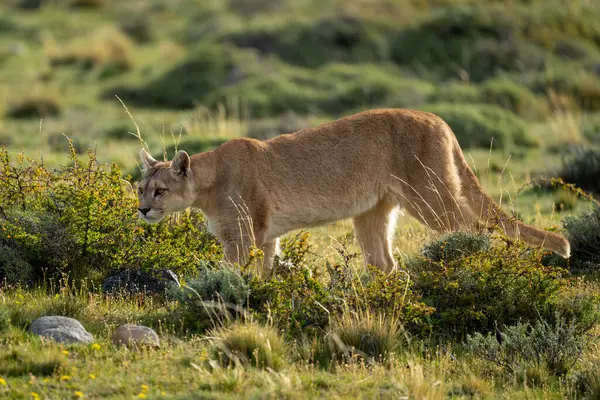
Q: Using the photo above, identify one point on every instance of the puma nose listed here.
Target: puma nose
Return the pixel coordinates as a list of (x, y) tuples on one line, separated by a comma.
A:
[(144, 210)]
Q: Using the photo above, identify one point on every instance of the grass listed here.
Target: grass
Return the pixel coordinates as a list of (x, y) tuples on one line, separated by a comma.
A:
[(188, 368), (195, 74)]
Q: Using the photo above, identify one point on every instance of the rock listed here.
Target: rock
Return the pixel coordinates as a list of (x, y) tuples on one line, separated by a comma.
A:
[(61, 329), (135, 335), (136, 281)]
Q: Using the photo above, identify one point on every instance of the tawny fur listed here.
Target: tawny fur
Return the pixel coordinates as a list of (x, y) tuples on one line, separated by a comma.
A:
[(363, 167)]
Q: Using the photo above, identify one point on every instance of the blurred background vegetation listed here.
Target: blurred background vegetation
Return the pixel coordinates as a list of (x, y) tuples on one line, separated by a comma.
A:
[(521, 77)]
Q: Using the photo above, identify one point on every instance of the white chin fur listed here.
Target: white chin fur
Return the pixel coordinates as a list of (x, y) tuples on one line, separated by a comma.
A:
[(150, 220)]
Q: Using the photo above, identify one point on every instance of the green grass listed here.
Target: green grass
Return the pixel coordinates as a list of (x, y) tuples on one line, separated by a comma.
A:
[(195, 74)]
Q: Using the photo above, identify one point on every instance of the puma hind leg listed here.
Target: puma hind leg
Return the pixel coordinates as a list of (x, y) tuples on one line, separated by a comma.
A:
[(374, 231)]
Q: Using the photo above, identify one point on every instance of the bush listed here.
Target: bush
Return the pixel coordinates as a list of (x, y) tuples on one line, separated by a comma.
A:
[(107, 50), (477, 125), (334, 89), (37, 245), (57, 142), (512, 96), (190, 81), (81, 220), (249, 344), (473, 43), (371, 337), (456, 245), (316, 43), (87, 3), (581, 167), (36, 104), (213, 285), (554, 346), (499, 286), (457, 92), (213, 75), (501, 92), (580, 86), (301, 300), (212, 292), (14, 268), (583, 232), (119, 131)]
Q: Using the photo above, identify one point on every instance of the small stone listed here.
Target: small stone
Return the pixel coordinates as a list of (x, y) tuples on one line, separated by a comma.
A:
[(61, 329), (135, 335)]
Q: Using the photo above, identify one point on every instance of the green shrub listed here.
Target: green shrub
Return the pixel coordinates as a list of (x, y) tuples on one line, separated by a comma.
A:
[(81, 220), (109, 51), (14, 268), (555, 346), (212, 285), (57, 142), (581, 86), (477, 125), (36, 104), (190, 81), (294, 295), (512, 96), (315, 43), (371, 337), (119, 131), (87, 3), (469, 42), (39, 243), (502, 285), (456, 245), (333, 89), (501, 92), (301, 300), (457, 92), (249, 344), (581, 167), (583, 232), (211, 293)]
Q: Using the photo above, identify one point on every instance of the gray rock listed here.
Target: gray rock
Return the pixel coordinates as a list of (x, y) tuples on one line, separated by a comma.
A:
[(61, 329), (136, 281), (135, 335)]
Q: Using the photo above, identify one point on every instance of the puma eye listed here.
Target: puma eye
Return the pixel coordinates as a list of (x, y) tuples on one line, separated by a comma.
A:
[(141, 190), (158, 192)]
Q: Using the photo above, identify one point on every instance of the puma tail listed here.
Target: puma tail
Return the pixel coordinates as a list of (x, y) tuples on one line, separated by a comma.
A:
[(485, 207)]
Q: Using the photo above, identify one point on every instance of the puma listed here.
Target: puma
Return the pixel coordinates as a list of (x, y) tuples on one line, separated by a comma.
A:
[(365, 167)]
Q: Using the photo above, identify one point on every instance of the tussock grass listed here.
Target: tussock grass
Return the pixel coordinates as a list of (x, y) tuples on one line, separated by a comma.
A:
[(38, 102), (366, 335), (108, 49), (249, 344)]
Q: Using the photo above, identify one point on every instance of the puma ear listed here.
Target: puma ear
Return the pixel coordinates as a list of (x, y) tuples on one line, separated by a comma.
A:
[(147, 160), (180, 164)]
